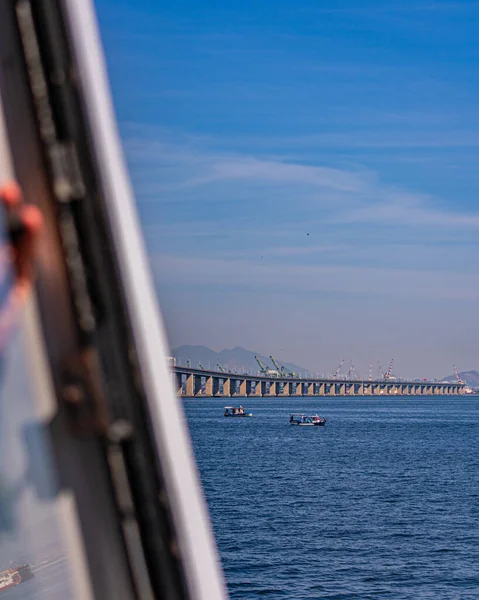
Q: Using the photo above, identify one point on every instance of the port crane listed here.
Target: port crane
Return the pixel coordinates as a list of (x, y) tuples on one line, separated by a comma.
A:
[(352, 373), (380, 371), (459, 378), (282, 370), (222, 369), (370, 378), (200, 366), (265, 371), (336, 373), (388, 374), (276, 366)]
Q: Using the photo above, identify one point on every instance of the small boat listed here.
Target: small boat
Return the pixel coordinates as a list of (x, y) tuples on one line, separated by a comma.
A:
[(14, 576), (236, 411), (314, 420)]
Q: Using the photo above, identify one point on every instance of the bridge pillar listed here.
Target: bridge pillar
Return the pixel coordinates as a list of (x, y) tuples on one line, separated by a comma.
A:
[(209, 386), (283, 388), (268, 388), (178, 383), (330, 389), (308, 389), (190, 390), (226, 387), (299, 389), (242, 387)]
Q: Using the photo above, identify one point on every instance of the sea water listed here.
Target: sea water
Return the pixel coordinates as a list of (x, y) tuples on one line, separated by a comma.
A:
[(382, 502)]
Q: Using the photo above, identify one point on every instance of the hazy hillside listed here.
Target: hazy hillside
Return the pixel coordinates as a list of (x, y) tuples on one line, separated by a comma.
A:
[(237, 359), (471, 378)]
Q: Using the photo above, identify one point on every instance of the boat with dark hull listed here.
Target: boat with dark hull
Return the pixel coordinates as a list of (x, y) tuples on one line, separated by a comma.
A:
[(236, 411), (307, 420)]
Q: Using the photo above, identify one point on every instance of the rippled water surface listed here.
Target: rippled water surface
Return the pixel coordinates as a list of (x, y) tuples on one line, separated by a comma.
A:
[(382, 502)]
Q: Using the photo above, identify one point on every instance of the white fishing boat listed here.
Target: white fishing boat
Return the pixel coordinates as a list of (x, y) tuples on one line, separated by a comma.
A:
[(307, 420)]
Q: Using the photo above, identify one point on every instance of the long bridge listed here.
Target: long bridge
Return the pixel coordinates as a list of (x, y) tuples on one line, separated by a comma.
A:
[(191, 383)]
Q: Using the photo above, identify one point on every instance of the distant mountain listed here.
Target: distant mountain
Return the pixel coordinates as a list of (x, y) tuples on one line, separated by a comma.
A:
[(238, 359), (471, 378)]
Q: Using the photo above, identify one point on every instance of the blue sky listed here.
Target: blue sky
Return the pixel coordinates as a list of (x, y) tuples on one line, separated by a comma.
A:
[(306, 173)]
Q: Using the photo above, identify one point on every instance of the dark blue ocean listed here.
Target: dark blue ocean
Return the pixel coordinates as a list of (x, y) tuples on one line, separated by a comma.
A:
[(382, 502)]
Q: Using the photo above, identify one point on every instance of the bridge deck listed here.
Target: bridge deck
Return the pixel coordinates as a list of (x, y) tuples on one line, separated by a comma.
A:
[(191, 382)]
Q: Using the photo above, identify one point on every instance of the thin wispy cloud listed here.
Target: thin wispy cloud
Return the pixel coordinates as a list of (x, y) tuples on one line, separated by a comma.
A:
[(317, 278), (347, 195)]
